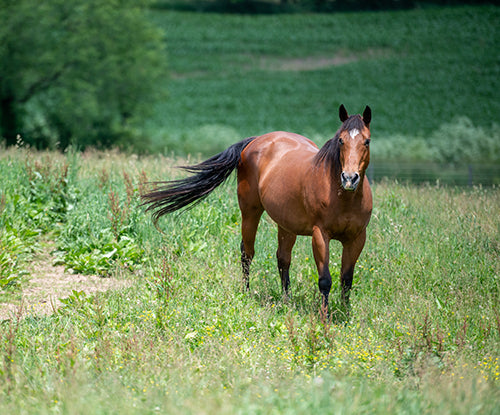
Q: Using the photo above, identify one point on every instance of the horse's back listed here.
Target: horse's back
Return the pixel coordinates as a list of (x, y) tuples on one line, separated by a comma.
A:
[(276, 155), (276, 149)]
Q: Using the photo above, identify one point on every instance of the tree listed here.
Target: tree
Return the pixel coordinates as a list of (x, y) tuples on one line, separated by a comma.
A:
[(76, 71)]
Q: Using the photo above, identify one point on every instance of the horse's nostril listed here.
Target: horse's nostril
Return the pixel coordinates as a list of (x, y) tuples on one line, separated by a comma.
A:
[(352, 177), (349, 180)]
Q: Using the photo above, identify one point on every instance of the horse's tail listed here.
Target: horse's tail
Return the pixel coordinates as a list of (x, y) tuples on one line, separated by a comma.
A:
[(177, 194)]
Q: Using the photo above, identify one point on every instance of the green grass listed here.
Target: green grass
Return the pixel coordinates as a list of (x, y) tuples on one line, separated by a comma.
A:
[(421, 71), (423, 337)]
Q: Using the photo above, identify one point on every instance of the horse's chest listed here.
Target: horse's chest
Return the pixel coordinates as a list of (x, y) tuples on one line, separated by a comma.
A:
[(345, 225)]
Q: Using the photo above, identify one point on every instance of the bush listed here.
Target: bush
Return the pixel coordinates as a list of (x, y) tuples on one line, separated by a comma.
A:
[(461, 141), (401, 147), (458, 141)]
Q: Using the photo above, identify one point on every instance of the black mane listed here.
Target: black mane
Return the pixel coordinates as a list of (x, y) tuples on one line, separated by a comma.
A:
[(329, 154), (353, 122)]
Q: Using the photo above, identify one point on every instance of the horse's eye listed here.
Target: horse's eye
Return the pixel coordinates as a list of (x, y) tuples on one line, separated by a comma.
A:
[(367, 142), (341, 142)]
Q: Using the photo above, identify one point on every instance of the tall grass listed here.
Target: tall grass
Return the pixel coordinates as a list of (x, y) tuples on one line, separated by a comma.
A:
[(184, 337)]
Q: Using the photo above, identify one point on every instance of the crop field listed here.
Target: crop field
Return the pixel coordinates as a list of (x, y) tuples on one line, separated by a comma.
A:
[(431, 77), (175, 332)]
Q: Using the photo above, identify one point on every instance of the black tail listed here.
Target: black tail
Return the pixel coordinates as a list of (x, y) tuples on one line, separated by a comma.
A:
[(209, 174)]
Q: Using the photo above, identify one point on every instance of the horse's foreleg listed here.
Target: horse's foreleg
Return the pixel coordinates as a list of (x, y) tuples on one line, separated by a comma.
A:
[(321, 250), (286, 240), (350, 255)]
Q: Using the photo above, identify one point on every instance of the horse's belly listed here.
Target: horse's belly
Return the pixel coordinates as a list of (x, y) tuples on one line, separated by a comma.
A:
[(284, 203), (289, 221)]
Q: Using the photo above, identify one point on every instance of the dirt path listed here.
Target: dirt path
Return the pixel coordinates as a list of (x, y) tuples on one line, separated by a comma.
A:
[(48, 284)]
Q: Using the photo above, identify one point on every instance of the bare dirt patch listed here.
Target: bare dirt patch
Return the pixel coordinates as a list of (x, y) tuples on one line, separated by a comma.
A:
[(302, 64), (305, 64), (48, 284), (313, 63)]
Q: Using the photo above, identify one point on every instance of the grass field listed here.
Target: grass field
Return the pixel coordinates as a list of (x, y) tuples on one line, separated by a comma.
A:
[(184, 337), (430, 76), (178, 334)]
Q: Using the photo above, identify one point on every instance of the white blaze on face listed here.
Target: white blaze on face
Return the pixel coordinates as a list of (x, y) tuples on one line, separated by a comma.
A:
[(353, 133)]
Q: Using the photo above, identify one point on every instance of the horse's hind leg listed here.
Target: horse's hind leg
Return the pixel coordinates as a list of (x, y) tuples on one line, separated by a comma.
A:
[(286, 240), (249, 223), (246, 260)]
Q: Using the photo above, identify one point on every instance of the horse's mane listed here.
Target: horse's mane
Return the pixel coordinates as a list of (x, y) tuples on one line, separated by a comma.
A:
[(329, 154)]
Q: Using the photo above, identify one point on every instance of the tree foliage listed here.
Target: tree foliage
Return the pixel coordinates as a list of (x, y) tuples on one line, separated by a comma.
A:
[(76, 72)]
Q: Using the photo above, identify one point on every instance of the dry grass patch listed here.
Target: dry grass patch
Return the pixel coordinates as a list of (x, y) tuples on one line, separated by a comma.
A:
[(49, 284)]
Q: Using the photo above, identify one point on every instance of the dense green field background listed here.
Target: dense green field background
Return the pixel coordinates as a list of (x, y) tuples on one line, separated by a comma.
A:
[(431, 77), (423, 337), (424, 334)]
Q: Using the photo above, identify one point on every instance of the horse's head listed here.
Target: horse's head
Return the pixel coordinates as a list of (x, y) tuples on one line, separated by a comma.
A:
[(354, 147)]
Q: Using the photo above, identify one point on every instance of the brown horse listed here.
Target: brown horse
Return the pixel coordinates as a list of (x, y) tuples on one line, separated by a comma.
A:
[(322, 193)]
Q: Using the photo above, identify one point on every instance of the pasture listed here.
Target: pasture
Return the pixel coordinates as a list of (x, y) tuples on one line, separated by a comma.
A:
[(174, 331), (183, 336)]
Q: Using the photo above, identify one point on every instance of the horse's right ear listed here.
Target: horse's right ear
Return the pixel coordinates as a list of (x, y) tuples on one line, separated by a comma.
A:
[(343, 113), (367, 115)]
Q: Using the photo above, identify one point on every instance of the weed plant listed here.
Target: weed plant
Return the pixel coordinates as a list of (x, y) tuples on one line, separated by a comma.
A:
[(184, 337), (34, 198)]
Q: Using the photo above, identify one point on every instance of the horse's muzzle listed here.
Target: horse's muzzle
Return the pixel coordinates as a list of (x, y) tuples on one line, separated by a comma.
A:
[(349, 180)]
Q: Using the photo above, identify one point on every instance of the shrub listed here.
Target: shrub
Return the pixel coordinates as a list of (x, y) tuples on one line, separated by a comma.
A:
[(461, 141)]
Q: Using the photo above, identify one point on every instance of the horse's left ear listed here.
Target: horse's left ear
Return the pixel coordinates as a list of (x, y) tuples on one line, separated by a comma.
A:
[(367, 115), (343, 113)]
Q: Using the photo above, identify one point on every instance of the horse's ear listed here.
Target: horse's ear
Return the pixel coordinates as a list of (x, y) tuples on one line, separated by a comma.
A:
[(343, 113), (367, 115)]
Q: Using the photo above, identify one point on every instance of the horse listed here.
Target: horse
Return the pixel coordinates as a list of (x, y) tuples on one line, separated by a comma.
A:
[(306, 190)]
